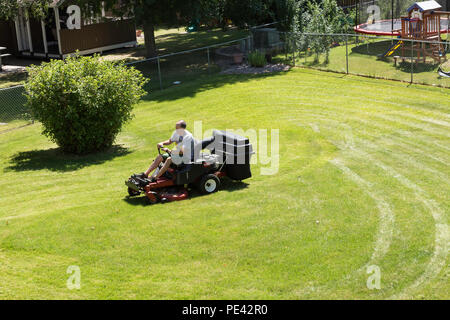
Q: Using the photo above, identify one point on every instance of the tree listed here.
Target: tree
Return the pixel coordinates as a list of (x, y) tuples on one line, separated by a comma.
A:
[(150, 13), (213, 13), (286, 12), (318, 24), (175, 12), (325, 18), (249, 12), (9, 9)]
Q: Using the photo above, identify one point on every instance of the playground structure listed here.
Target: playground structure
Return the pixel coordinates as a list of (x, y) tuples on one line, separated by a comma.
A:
[(424, 23), (420, 31)]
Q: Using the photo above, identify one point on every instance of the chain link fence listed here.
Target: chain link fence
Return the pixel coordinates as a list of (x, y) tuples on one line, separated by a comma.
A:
[(164, 71), (343, 53), (13, 111), (173, 69), (413, 61)]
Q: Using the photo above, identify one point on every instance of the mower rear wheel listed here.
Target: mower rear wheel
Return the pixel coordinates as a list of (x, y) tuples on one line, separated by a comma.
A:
[(209, 184), (132, 192)]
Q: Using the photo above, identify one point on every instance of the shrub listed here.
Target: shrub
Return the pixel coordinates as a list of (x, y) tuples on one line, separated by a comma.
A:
[(257, 59), (82, 102)]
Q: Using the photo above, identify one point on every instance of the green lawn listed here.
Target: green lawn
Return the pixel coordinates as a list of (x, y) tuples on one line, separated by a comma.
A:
[(363, 180)]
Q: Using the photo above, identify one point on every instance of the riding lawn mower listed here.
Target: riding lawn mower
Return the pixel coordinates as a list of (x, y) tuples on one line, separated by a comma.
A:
[(229, 156)]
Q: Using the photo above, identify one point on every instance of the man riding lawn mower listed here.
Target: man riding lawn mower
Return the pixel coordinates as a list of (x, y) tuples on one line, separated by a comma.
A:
[(228, 156)]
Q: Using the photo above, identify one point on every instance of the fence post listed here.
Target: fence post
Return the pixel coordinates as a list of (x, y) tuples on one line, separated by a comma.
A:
[(286, 45), (209, 62), (159, 73), (294, 48), (346, 52), (412, 63), (306, 43)]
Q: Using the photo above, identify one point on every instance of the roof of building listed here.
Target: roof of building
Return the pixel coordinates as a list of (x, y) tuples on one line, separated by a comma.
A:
[(425, 6)]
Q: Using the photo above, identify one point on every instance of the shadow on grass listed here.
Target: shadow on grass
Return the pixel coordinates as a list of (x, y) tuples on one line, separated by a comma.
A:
[(417, 67), (56, 160), (375, 48), (316, 64), (180, 41), (197, 83), (378, 48), (227, 185), (174, 41)]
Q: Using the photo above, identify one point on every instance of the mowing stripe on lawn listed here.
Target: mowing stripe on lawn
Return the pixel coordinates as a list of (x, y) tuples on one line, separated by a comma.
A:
[(387, 219), (438, 259), (442, 238)]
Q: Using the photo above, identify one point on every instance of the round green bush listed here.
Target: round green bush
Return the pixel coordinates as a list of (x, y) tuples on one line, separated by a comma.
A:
[(82, 102)]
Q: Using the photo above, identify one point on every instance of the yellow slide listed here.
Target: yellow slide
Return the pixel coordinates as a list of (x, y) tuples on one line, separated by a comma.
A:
[(392, 48)]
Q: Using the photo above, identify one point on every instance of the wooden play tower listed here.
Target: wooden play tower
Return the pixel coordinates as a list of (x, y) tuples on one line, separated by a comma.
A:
[(423, 23)]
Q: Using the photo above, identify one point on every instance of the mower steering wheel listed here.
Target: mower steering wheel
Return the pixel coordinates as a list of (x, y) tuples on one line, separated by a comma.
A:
[(166, 151)]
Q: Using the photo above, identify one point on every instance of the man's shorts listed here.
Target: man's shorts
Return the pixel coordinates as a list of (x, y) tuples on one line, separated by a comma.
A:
[(179, 166), (164, 156)]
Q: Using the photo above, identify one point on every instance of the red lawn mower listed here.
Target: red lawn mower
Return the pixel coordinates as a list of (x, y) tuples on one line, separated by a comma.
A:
[(229, 156)]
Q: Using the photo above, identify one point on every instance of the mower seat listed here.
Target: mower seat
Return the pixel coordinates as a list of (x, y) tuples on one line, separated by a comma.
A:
[(206, 142), (191, 172), (200, 156), (207, 158)]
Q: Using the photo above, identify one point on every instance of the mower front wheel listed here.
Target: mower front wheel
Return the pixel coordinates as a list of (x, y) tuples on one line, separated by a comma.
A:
[(132, 192), (152, 197), (209, 184)]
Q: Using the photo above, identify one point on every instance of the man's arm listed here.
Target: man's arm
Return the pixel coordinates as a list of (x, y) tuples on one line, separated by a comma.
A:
[(164, 143)]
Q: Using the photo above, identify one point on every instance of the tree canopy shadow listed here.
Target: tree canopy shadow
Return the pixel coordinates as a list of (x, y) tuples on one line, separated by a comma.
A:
[(200, 83), (179, 41), (56, 160), (171, 42), (375, 48), (316, 63), (417, 67), (378, 48)]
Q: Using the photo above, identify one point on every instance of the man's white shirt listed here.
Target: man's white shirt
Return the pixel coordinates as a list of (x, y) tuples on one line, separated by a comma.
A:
[(186, 142)]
